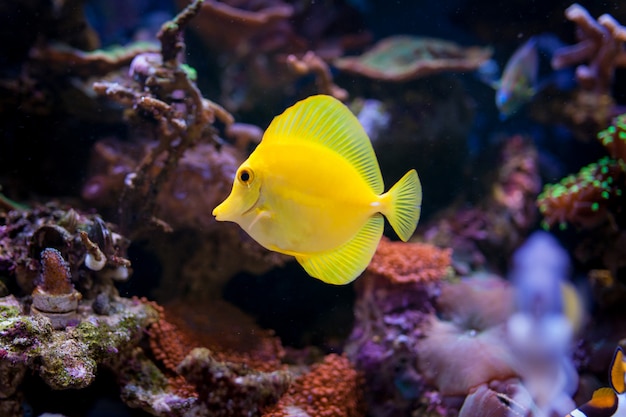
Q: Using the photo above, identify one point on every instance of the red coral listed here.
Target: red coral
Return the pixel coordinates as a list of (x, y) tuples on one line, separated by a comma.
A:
[(410, 262), (55, 274), (331, 389), (170, 346), (231, 335)]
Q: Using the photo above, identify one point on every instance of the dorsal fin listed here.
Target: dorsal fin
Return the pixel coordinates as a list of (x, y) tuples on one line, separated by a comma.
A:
[(603, 398), (328, 122), (618, 369)]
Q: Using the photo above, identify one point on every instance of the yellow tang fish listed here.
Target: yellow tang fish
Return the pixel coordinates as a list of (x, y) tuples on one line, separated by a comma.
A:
[(313, 189)]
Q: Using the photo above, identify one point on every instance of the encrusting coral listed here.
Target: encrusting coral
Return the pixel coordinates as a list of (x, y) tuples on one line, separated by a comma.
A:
[(593, 201), (394, 299), (331, 388), (403, 58)]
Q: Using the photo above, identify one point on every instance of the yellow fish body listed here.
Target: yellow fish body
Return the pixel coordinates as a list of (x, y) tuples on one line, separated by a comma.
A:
[(313, 189)]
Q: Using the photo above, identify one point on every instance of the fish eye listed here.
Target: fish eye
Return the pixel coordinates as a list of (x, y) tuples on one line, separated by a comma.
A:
[(245, 176)]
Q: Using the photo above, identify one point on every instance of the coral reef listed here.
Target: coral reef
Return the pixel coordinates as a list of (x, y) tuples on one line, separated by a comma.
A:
[(330, 389), (255, 44), (585, 199), (394, 300), (163, 92), (481, 232), (42, 241), (119, 154), (592, 201), (68, 358)]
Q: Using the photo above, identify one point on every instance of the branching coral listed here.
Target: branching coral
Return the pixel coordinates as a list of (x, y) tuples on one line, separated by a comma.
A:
[(167, 95), (331, 388), (600, 44), (310, 63), (601, 47)]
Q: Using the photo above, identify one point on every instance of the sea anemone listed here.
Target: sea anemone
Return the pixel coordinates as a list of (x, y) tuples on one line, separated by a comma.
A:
[(465, 345)]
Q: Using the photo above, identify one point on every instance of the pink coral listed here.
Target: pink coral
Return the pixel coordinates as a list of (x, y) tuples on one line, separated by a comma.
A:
[(465, 345)]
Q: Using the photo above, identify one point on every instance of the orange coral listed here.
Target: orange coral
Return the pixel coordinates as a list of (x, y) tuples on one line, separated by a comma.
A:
[(410, 262), (55, 273), (331, 389), (170, 346), (231, 335)]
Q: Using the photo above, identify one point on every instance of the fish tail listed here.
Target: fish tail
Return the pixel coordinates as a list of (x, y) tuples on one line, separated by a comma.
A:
[(403, 204)]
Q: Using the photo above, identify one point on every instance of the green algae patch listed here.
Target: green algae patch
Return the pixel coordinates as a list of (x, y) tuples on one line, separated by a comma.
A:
[(9, 307)]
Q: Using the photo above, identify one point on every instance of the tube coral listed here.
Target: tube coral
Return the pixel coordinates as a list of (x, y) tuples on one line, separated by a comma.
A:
[(55, 273), (55, 297)]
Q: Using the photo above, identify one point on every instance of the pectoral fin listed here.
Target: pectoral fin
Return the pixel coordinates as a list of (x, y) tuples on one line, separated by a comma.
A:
[(343, 265)]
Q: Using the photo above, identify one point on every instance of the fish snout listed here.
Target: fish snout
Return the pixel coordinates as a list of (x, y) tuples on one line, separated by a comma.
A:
[(218, 212)]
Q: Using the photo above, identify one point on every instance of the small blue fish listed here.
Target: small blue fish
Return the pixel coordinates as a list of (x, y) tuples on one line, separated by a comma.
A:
[(608, 402), (519, 81)]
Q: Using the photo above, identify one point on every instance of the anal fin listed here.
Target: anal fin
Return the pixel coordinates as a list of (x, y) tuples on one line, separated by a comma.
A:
[(344, 264)]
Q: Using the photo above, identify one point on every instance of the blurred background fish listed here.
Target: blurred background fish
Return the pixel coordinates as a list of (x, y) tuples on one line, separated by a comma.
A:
[(549, 312), (522, 79)]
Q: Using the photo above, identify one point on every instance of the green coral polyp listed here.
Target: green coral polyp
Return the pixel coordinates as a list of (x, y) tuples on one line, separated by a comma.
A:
[(576, 197)]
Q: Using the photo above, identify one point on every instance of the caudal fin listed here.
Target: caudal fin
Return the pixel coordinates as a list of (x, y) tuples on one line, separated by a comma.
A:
[(404, 205)]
